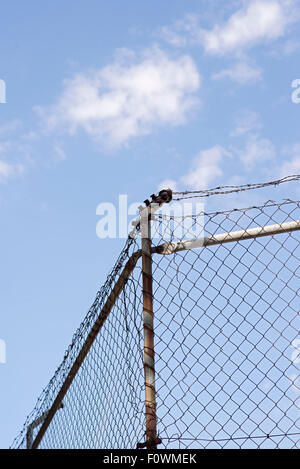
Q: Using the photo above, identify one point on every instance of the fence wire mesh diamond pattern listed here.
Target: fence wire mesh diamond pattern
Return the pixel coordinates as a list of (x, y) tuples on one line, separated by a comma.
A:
[(227, 322), (226, 345)]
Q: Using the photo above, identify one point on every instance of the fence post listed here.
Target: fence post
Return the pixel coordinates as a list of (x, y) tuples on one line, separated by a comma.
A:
[(149, 363)]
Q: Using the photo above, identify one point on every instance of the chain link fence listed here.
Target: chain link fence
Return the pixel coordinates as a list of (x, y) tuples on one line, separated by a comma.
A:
[(227, 328), (102, 403), (226, 342)]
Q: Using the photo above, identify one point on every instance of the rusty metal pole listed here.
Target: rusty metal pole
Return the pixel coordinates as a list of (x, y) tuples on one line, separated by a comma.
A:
[(149, 364)]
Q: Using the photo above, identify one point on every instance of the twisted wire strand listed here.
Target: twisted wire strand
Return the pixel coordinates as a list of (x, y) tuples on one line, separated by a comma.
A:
[(188, 194)]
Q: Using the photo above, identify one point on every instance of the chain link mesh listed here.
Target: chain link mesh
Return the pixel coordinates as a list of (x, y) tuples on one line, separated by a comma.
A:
[(103, 407), (226, 345), (227, 324)]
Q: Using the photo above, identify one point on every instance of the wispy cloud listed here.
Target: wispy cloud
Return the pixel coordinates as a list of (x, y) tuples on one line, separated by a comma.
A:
[(286, 49), (168, 184), (242, 72), (59, 153), (9, 127), (255, 22), (258, 21), (8, 170), (14, 150), (290, 167), (291, 163), (253, 152), (127, 99), (182, 32), (247, 121), (206, 168), (257, 151)]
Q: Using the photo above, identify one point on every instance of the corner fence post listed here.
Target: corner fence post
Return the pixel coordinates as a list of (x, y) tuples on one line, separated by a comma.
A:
[(149, 363), (144, 225)]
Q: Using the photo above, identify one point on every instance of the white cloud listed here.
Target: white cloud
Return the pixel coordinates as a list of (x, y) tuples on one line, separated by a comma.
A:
[(285, 49), (119, 102), (9, 127), (5, 170), (242, 72), (245, 123), (292, 165), (14, 150), (290, 47), (172, 37), (257, 150), (206, 168), (8, 170), (59, 153), (182, 32), (168, 184), (257, 21)]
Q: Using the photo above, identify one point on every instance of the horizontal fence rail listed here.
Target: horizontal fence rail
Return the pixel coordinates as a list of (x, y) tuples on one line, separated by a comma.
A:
[(241, 235)]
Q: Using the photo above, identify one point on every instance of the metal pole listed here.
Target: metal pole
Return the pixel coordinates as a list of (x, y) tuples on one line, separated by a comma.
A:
[(250, 233), (164, 196), (121, 282), (149, 367), (35, 424)]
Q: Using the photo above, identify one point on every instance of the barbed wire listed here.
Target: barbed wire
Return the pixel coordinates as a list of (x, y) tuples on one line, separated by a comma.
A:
[(232, 189)]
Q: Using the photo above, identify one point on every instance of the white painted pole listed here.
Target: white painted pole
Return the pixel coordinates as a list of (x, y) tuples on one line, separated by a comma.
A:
[(269, 230)]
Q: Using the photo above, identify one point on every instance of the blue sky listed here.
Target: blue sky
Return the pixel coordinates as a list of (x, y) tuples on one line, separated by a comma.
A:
[(117, 98)]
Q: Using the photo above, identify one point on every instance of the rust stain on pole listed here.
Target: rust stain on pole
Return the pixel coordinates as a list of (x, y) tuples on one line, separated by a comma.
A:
[(149, 368)]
